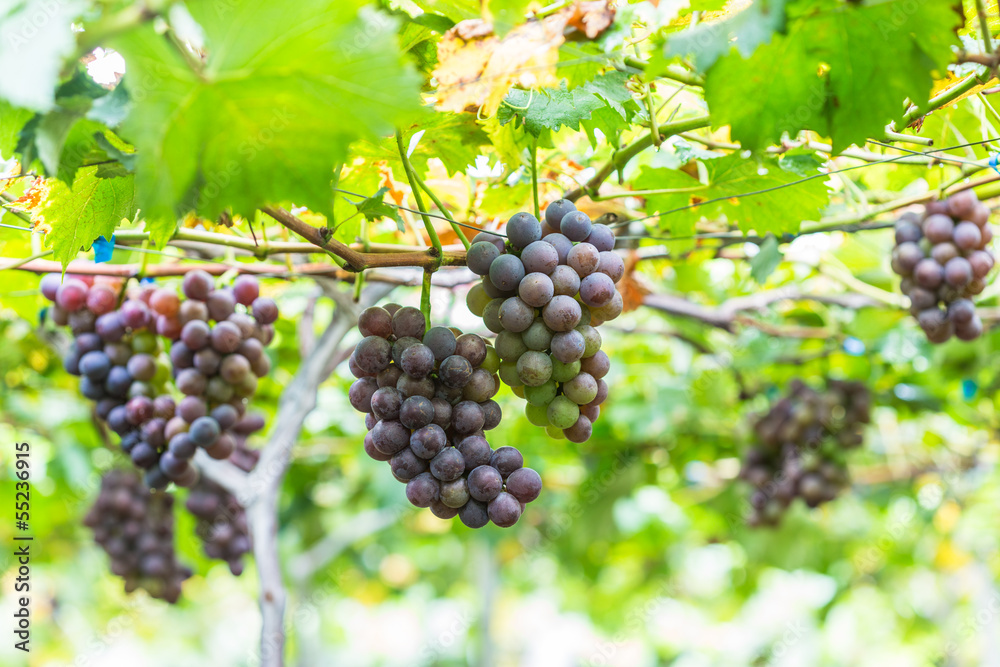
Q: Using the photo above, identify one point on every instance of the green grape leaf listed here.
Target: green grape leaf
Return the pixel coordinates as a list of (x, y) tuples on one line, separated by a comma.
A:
[(766, 261), (12, 121), (548, 109), (844, 73), (374, 209), (267, 118), (748, 29), (778, 211), (505, 14), (36, 36), (76, 216)]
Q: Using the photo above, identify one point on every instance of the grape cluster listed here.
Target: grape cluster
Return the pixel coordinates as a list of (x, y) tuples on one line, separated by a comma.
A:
[(543, 293), (800, 447), (427, 398), (216, 354), (943, 257), (222, 521), (136, 529)]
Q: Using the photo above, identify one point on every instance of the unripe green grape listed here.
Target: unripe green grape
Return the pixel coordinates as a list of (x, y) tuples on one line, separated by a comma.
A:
[(509, 375), (476, 299), (544, 393), (564, 372), (534, 368), (581, 390), (538, 415), (592, 339), (518, 391), (537, 337), (563, 412), (510, 346), (554, 432), (144, 342), (492, 361), (491, 315)]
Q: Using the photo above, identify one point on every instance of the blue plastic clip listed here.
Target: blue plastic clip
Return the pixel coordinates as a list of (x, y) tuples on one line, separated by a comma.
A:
[(103, 249)]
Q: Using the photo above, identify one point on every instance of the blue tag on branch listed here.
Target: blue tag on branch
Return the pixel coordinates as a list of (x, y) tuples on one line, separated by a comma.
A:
[(969, 389), (103, 249), (993, 162)]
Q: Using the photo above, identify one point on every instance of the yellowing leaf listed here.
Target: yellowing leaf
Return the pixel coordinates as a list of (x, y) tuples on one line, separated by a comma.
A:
[(476, 68)]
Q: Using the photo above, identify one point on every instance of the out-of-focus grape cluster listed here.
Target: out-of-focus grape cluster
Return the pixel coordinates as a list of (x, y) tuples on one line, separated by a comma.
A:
[(165, 407), (427, 398), (944, 258), (135, 527), (800, 447), (543, 293)]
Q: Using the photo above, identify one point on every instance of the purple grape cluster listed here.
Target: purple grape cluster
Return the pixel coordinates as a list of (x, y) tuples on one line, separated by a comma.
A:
[(543, 293), (136, 529), (216, 341), (427, 398), (222, 521), (800, 447), (943, 257)]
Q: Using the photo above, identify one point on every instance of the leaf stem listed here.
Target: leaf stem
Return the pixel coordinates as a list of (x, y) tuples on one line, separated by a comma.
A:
[(415, 189), (984, 25), (441, 207), (425, 298), (946, 96), (534, 178)]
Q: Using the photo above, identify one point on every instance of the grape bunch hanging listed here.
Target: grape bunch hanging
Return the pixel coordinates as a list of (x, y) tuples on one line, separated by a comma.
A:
[(222, 521), (543, 293), (165, 407), (800, 447), (135, 527), (943, 257), (427, 398)]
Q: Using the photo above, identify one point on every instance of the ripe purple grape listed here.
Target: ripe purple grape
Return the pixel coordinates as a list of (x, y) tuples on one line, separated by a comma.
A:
[(523, 229), (576, 226)]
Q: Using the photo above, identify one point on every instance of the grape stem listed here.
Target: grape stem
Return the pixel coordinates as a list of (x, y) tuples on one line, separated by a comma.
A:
[(441, 207), (425, 298), (411, 176), (534, 178)]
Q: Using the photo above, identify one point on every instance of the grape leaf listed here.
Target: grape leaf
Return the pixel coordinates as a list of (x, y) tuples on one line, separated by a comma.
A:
[(748, 29), (505, 14), (76, 216), (12, 120), (35, 38), (844, 73), (766, 261), (778, 212), (374, 209), (548, 109), (269, 117)]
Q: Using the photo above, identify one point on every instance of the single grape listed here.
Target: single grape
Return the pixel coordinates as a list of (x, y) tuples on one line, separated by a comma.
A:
[(475, 451), (506, 460), (221, 304), (612, 265), (225, 337), (557, 210), (938, 228), (564, 372), (476, 299), (361, 393), (195, 335), (504, 510), (118, 381), (467, 418), (101, 299), (537, 337), (448, 465), (72, 295), (523, 229), (190, 382), (958, 272), (375, 321), (524, 484), (962, 204), (417, 361), (164, 302), (491, 315), (197, 285), (576, 226), (506, 272), (582, 389), (535, 290), (480, 256), (967, 235), (455, 371), (516, 315), (390, 437), (584, 259), (474, 514), (942, 253), (246, 289), (373, 354), (408, 322), (485, 483), (563, 412), (562, 313), (427, 441), (416, 412), (970, 330), (406, 465), (534, 368), (542, 394), (597, 289), (423, 490), (597, 365), (472, 347), (95, 365), (441, 341), (264, 310), (413, 387), (610, 310), (568, 346), (455, 494), (540, 257), (481, 386), (509, 345)]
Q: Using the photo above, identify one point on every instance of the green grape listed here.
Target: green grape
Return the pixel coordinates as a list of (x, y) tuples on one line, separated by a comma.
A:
[(144, 342), (492, 361), (509, 374), (510, 346), (564, 372), (554, 432), (537, 337), (592, 339), (476, 299), (534, 368), (537, 414), (543, 393), (563, 412)]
